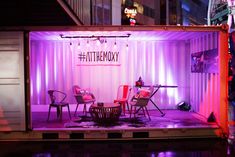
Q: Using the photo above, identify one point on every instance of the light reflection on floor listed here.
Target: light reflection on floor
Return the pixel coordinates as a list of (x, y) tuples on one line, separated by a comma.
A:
[(150, 148)]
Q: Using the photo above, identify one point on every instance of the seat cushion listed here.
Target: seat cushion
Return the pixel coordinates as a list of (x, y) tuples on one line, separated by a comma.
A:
[(80, 91), (87, 97), (120, 100), (59, 104), (143, 93)]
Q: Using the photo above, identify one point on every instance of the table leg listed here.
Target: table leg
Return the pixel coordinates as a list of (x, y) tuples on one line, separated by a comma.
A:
[(163, 114), (61, 113)]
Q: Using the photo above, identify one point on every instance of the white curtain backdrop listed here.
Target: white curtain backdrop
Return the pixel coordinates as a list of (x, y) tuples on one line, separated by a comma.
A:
[(55, 65)]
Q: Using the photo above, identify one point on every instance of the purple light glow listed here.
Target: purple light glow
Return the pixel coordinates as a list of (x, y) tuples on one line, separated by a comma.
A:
[(144, 48), (152, 60), (64, 60), (135, 35), (166, 154), (31, 89), (55, 67), (46, 70), (158, 56), (162, 70), (38, 82), (170, 81)]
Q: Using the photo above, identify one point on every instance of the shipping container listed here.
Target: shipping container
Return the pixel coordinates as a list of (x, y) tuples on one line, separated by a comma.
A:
[(191, 59)]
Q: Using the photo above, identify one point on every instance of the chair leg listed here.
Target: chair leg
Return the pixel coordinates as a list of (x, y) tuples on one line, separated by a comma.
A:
[(84, 109), (49, 112), (58, 111), (143, 112), (69, 112), (135, 112), (130, 112), (127, 106), (76, 110), (123, 107), (61, 113), (147, 112)]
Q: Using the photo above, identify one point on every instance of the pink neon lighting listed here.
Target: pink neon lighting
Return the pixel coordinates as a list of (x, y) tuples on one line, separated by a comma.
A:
[(57, 63)]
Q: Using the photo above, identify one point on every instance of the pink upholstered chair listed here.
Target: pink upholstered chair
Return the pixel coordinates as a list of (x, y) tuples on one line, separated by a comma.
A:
[(82, 97), (123, 96)]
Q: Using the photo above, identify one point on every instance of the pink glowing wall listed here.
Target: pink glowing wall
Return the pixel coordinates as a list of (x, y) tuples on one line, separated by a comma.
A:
[(54, 65), (205, 86), (209, 91)]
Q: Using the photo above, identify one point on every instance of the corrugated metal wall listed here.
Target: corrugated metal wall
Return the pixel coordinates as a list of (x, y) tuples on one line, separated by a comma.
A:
[(12, 97), (204, 91), (54, 65)]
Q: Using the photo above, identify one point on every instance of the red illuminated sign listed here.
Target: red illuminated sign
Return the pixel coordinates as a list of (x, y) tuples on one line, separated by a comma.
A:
[(131, 13)]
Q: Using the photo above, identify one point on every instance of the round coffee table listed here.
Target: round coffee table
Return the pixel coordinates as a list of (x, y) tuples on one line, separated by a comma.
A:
[(107, 113)]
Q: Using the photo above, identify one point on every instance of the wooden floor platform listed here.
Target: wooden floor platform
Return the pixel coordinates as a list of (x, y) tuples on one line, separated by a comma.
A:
[(175, 124), (172, 119)]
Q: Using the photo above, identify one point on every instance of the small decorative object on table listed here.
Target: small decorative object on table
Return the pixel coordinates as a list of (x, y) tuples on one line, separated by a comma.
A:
[(139, 83)]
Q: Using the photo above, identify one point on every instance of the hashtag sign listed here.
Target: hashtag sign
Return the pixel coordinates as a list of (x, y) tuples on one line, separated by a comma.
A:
[(81, 56)]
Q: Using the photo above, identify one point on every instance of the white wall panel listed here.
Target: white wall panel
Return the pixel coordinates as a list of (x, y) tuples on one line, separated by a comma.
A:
[(12, 102)]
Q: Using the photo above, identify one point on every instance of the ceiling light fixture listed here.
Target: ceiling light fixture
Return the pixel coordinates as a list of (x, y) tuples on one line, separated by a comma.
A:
[(94, 36)]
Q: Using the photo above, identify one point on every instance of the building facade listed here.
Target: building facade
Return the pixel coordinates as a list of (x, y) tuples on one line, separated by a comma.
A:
[(103, 12), (167, 12)]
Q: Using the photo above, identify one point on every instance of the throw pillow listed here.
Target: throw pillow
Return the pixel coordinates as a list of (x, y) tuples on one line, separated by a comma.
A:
[(87, 97)]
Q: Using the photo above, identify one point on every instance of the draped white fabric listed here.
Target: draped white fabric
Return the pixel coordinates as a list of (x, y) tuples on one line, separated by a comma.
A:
[(54, 65)]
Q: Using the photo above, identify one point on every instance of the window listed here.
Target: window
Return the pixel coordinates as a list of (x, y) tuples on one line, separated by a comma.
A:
[(101, 12)]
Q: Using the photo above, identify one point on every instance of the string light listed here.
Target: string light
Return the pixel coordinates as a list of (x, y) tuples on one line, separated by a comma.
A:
[(115, 45), (79, 45), (87, 43), (94, 36), (105, 43), (98, 42), (127, 47)]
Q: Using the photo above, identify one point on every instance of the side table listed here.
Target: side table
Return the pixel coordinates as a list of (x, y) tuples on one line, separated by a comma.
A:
[(107, 113)]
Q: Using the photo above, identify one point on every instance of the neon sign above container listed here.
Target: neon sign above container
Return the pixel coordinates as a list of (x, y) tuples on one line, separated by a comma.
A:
[(131, 13)]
